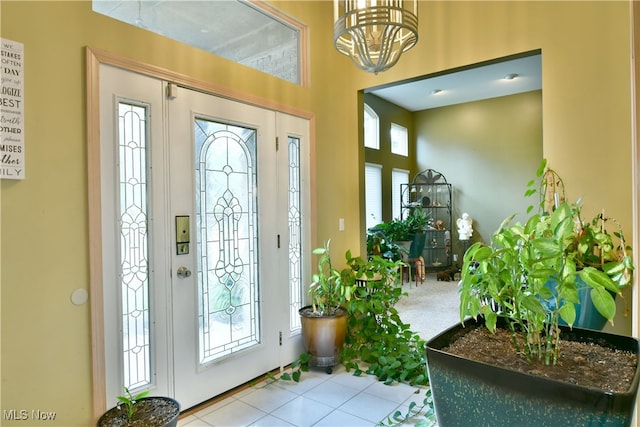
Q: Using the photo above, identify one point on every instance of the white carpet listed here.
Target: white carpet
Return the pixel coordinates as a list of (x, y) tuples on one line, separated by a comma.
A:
[(431, 307)]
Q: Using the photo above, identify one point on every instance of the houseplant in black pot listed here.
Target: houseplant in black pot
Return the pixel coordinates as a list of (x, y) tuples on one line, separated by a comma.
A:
[(141, 410), (504, 289)]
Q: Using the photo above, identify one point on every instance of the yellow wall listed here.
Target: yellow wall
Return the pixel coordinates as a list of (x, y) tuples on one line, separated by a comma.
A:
[(46, 349), (488, 150)]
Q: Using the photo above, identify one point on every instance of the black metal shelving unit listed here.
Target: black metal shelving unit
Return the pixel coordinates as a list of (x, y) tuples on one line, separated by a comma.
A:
[(431, 192)]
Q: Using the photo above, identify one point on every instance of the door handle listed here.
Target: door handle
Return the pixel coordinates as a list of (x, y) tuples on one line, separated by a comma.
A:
[(183, 272)]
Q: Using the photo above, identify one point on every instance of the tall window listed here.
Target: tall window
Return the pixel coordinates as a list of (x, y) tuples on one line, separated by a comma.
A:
[(295, 233), (399, 140), (371, 128), (398, 176), (134, 245), (373, 194)]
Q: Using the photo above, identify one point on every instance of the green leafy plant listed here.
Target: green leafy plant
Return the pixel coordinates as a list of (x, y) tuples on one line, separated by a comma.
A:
[(423, 414), (298, 366), (378, 341), (379, 244), (330, 288), (510, 277), (129, 401), (381, 239), (404, 229), (596, 248)]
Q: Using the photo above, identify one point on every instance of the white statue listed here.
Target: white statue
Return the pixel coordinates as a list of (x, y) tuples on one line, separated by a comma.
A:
[(465, 227)]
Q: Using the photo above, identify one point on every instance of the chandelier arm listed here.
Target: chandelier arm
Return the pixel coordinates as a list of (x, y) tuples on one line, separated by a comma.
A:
[(362, 55), (388, 55)]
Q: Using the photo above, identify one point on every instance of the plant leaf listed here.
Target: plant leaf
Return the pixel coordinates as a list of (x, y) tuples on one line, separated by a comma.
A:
[(568, 313), (603, 302), (541, 168), (598, 279)]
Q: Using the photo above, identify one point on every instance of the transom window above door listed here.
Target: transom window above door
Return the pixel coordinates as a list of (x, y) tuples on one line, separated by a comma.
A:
[(250, 33)]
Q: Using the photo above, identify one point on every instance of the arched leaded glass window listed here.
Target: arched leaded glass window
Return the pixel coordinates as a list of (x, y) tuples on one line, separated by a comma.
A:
[(226, 221)]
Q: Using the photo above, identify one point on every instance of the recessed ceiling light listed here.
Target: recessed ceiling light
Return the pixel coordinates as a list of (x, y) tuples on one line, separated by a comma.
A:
[(510, 76), (436, 91)]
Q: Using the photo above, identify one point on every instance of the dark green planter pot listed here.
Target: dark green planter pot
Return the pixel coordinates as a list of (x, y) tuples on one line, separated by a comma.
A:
[(469, 393), (417, 245)]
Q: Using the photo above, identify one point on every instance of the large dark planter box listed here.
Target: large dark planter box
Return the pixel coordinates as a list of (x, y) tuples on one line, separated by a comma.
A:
[(469, 393)]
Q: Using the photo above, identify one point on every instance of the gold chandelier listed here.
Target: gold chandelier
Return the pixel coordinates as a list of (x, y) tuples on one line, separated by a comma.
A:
[(374, 33)]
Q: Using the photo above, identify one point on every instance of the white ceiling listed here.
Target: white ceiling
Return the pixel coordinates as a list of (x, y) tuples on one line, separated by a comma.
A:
[(471, 84)]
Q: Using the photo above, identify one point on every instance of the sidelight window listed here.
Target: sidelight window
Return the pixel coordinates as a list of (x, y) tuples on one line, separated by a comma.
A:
[(134, 253)]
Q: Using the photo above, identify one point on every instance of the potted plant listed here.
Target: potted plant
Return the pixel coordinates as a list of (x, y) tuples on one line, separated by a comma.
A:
[(378, 342), (363, 296), (399, 237), (602, 259), (141, 410), (324, 322), (504, 289)]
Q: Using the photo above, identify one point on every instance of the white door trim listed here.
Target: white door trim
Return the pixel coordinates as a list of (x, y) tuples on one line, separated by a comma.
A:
[(95, 57)]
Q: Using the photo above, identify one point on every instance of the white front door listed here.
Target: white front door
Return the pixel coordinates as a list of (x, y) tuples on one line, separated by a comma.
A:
[(207, 279), (223, 158)]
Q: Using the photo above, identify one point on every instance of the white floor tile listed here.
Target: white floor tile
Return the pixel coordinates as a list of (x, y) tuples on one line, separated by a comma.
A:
[(271, 421), (186, 421), (340, 418), (234, 414), (369, 407), (302, 412), (308, 380), (268, 398), (396, 392), (350, 380), (331, 393), (215, 406), (193, 421), (337, 400)]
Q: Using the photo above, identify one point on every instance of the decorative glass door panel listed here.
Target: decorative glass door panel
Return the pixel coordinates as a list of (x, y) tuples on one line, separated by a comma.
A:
[(227, 239), (295, 232), (134, 251)]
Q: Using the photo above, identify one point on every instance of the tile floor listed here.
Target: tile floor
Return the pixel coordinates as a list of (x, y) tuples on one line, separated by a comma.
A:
[(319, 399)]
